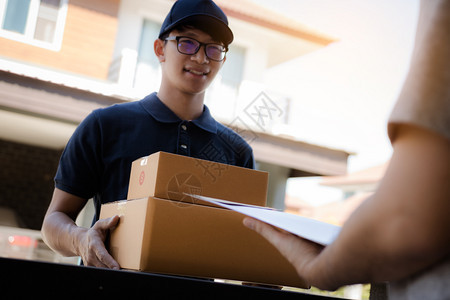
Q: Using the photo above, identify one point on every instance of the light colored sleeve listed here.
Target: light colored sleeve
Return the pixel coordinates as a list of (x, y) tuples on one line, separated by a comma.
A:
[(425, 98)]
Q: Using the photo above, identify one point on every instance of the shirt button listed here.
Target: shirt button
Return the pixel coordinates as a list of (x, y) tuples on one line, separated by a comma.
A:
[(184, 146), (184, 127)]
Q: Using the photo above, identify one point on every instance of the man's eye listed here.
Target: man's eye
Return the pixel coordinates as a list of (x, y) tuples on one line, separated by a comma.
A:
[(217, 48), (187, 43)]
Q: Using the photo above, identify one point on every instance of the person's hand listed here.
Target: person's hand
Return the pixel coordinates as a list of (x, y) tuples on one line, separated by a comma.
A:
[(299, 252), (92, 245)]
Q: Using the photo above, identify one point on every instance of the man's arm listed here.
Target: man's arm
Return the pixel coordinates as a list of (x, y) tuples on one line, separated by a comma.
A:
[(400, 230), (62, 234)]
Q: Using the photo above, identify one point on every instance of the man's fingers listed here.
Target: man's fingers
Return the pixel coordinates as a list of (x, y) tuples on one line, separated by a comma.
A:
[(286, 243), (109, 223), (102, 254), (267, 231), (106, 259), (113, 222), (96, 253), (297, 251), (100, 258)]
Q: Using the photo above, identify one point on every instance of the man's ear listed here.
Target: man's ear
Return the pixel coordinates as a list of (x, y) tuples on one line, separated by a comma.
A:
[(158, 46)]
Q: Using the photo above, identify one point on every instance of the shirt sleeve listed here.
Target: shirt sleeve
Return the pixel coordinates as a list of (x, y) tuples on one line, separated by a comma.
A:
[(425, 97), (80, 166), (250, 161)]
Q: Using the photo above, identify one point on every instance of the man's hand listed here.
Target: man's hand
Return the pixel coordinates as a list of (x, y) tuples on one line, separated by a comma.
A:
[(91, 247), (61, 233), (299, 252)]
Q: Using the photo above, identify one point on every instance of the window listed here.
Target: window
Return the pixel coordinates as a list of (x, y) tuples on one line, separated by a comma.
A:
[(147, 76), (36, 22), (223, 96), (233, 69)]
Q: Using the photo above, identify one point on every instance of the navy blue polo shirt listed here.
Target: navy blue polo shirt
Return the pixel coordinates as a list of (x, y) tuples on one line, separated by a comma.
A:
[(97, 159)]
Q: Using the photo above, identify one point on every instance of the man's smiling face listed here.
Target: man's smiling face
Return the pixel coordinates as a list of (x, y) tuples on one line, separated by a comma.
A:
[(189, 73)]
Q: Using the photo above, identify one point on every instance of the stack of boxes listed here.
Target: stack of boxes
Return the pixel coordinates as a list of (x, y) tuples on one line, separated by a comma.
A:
[(164, 230)]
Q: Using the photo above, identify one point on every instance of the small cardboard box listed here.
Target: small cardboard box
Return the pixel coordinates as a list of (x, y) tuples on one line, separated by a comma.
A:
[(191, 239), (170, 176)]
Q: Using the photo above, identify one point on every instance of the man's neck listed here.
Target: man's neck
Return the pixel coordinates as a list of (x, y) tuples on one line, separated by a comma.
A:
[(185, 106)]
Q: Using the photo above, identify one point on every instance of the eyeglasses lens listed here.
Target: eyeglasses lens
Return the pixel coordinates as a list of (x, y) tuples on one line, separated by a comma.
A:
[(190, 46), (215, 52)]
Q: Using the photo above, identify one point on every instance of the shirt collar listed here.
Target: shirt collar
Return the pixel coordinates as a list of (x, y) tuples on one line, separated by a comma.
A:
[(155, 107)]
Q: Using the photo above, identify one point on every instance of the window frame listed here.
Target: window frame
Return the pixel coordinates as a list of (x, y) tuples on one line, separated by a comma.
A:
[(30, 27)]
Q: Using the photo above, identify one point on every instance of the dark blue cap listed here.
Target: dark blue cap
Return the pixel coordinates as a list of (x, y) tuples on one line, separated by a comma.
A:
[(202, 14)]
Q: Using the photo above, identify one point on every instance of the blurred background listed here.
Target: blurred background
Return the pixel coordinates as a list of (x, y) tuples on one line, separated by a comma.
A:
[(309, 84)]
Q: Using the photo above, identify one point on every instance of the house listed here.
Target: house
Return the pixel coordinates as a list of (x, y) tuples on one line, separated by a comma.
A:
[(60, 59)]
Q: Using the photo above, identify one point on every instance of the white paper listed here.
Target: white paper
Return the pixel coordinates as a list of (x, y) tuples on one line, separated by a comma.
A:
[(313, 230)]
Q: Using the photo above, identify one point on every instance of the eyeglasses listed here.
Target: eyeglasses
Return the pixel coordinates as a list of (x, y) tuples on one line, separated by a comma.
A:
[(190, 46)]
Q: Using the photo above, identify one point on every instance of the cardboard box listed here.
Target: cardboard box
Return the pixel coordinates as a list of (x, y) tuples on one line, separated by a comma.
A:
[(172, 237), (169, 176)]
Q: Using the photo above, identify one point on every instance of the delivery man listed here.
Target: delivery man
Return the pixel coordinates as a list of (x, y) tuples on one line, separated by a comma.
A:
[(96, 162)]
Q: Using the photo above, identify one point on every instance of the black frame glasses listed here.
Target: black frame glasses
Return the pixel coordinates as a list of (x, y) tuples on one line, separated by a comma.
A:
[(190, 46)]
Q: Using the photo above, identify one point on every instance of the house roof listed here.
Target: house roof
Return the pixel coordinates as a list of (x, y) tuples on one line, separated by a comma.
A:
[(252, 12)]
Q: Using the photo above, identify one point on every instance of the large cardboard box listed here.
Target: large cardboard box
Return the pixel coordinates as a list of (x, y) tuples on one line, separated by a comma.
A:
[(170, 176), (172, 237)]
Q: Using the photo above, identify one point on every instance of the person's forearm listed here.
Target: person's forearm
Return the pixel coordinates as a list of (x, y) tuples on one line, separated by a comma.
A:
[(59, 230), (364, 253), (344, 261), (402, 229), (355, 256), (61, 234)]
